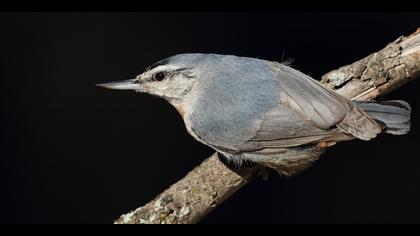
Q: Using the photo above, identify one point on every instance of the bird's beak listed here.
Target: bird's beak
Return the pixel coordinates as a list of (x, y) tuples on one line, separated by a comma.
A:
[(131, 84)]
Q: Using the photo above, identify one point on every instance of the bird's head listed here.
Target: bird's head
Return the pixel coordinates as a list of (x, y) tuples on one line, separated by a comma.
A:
[(172, 79)]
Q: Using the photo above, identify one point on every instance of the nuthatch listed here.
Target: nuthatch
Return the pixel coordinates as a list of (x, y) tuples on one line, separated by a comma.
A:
[(262, 111)]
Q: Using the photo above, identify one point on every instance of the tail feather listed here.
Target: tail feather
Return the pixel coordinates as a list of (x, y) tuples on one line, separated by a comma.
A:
[(393, 115)]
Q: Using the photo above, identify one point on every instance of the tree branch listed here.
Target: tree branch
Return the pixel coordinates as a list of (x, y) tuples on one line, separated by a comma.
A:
[(209, 184)]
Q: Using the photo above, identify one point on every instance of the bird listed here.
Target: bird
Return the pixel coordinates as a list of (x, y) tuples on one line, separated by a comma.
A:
[(261, 111)]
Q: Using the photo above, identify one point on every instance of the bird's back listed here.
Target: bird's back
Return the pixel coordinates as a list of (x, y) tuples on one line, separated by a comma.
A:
[(232, 96)]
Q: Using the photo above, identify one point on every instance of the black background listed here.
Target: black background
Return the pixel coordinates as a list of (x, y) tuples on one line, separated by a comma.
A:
[(76, 153)]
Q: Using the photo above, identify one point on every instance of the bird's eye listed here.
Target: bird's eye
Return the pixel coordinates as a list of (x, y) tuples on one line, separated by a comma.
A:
[(159, 76)]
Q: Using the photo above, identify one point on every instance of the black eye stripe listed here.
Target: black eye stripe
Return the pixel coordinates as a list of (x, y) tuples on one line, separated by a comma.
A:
[(161, 75), (180, 69)]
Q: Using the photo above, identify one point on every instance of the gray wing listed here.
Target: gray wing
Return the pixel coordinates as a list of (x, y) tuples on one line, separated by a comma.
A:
[(326, 108), (308, 97), (307, 113)]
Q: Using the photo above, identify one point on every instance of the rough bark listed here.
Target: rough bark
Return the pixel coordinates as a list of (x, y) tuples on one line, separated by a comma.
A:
[(208, 185), (379, 73)]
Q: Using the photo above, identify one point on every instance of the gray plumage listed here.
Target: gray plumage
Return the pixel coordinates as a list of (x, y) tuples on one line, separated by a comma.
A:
[(259, 110)]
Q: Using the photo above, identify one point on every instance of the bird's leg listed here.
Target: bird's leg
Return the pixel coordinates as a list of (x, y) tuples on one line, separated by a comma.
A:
[(243, 166), (235, 165)]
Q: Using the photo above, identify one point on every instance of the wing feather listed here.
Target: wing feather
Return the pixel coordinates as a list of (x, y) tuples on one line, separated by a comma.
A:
[(308, 113)]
